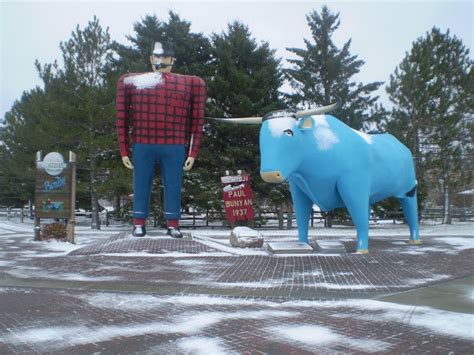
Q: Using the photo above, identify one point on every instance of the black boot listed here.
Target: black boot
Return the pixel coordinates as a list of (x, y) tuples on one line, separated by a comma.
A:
[(174, 232), (139, 231)]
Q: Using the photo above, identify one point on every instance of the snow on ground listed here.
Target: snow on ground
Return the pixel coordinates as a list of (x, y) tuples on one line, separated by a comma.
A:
[(28, 272), (316, 335), (187, 323), (307, 333), (172, 254), (470, 294), (22, 234), (452, 246), (382, 230), (442, 322), (202, 346), (458, 243)]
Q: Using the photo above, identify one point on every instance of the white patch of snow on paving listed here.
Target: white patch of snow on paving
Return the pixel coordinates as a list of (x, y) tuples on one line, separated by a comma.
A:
[(202, 346), (14, 227), (191, 262), (186, 324), (316, 335), (272, 283), (414, 282), (458, 243), (35, 272), (470, 294), (129, 302), (422, 250), (309, 334), (438, 321), (442, 322), (162, 255), (330, 286), (253, 284), (64, 247), (126, 302)]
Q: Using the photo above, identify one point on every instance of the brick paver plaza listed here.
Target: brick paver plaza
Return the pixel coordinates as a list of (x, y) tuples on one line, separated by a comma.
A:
[(165, 296)]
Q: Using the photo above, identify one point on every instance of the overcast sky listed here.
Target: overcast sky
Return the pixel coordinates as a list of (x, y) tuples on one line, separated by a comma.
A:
[(381, 31)]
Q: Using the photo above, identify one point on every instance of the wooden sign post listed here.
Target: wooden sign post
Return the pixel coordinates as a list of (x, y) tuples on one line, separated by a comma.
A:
[(55, 191)]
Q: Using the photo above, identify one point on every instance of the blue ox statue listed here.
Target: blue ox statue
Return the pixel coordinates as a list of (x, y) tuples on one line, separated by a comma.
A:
[(329, 164)]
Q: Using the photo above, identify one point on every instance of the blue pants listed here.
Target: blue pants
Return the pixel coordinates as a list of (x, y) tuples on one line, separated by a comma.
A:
[(171, 160)]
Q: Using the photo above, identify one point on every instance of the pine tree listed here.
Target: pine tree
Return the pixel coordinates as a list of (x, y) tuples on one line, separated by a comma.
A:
[(81, 109), (21, 135), (322, 72), (433, 90), (246, 77), (192, 50)]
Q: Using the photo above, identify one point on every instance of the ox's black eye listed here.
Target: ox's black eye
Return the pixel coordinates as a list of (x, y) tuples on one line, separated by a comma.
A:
[(288, 132)]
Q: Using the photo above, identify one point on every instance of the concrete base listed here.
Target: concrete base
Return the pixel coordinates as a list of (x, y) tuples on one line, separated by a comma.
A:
[(331, 246), (289, 248), (362, 251), (414, 242)]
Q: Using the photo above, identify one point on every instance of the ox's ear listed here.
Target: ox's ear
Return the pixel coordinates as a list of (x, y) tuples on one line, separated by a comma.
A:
[(306, 123)]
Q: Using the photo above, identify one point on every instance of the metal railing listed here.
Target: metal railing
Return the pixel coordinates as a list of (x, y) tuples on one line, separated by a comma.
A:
[(266, 218)]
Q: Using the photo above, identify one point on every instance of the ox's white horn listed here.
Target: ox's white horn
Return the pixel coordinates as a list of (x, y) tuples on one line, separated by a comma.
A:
[(238, 120), (318, 111)]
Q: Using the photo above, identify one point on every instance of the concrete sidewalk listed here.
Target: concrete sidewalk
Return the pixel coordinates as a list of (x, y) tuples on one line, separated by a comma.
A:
[(118, 294)]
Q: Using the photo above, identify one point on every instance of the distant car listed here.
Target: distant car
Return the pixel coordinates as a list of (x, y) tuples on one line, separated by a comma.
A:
[(83, 213)]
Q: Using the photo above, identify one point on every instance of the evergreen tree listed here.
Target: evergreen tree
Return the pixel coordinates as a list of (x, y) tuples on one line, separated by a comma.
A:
[(192, 50), (80, 105), (433, 92), (22, 135), (245, 80), (322, 72)]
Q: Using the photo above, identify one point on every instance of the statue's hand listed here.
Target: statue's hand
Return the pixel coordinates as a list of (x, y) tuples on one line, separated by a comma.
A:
[(127, 162), (188, 164)]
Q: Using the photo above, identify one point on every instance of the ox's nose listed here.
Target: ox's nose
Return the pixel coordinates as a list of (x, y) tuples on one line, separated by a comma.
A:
[(272, 176)]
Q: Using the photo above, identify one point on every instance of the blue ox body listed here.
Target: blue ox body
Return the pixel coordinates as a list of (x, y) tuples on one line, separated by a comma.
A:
[(329, 164)]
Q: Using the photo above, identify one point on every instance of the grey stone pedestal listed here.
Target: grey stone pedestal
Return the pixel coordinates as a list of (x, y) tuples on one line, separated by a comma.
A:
[(329, 246), (289, 248)]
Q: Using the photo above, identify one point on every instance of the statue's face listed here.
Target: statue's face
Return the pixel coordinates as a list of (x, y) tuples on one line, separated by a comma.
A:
[(161, 64)]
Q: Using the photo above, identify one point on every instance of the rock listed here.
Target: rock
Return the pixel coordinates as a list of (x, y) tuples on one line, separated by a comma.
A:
[(245, 237)]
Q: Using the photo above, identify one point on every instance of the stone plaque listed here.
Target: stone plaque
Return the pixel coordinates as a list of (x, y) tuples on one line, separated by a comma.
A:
[(289, 248), (330, 246)]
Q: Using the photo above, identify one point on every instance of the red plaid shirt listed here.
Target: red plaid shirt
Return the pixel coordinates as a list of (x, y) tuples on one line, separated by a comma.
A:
[(161, 108)]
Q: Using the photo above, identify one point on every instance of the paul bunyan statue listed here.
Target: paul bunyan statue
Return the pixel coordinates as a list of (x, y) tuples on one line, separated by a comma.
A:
[(165, 112)]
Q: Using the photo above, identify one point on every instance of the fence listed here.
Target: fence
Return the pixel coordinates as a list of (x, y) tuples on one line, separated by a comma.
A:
[(266, 218)]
